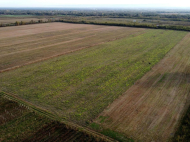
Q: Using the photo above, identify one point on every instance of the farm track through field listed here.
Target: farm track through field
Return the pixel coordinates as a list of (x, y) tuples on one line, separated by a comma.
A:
[(151, 109)]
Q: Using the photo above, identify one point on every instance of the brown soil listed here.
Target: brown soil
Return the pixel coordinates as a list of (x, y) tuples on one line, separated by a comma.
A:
[(23, 45), (10, 110), (16, 31), (58, 132), (151, 109)]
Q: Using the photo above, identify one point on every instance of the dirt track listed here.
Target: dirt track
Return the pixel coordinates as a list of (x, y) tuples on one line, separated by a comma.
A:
[(151, 109)]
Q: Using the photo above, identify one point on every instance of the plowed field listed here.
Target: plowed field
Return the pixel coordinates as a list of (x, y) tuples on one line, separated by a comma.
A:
[(21, 45)]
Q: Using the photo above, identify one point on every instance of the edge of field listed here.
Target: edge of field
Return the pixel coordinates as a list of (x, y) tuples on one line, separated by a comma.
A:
[(53, 117)]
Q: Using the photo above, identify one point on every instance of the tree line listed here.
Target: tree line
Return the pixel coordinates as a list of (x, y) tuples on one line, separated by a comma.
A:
[(137, 25), (18, 23)]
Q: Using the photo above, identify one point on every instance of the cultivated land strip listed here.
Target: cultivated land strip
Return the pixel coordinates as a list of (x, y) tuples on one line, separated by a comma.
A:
[(42, 37), (8, 32), (16, 54), (56, 55), (27, 50), (151, 109), (24, 47), (94, 77)]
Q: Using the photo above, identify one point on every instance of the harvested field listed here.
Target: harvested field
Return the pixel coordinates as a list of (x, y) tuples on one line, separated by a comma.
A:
[(21, 45), (94, 76), (151, 109)]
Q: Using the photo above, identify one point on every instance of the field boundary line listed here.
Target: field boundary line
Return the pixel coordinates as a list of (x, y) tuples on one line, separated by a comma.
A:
[(46, 46), (45, 113)]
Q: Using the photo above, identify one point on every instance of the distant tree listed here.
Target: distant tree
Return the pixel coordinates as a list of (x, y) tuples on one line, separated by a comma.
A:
[(22, 23), (49, 20), (40, 21), (144, 20), (17, 23), (32, 22), (83, 21)]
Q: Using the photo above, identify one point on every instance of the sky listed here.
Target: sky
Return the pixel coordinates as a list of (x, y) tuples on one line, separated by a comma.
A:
[(95, 3)]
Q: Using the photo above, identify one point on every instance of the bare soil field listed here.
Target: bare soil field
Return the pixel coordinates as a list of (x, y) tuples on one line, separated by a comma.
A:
[(27, 44), (151, 109)]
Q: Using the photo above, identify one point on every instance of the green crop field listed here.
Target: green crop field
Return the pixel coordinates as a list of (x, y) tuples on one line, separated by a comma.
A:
[(78, 86)]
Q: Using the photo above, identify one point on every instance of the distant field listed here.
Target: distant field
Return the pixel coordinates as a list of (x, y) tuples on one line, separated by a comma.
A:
[(10, 16), (13, 18), (95, 76), (152, 108), (133, 20), (25, 44)]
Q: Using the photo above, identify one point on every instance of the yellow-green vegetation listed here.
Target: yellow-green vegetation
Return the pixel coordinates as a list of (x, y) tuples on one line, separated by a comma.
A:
[(78, 86)]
